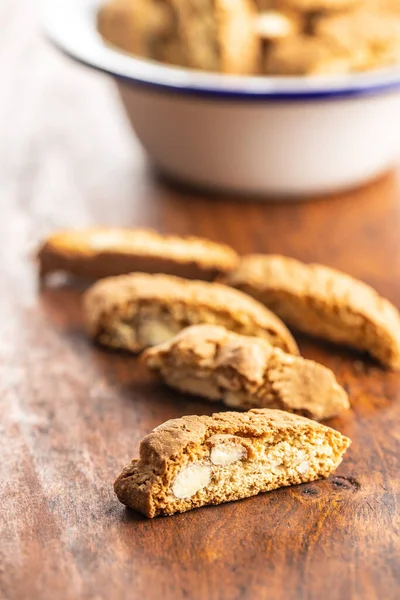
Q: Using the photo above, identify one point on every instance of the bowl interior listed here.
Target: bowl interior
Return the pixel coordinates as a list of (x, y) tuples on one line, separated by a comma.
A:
[(71, 25)]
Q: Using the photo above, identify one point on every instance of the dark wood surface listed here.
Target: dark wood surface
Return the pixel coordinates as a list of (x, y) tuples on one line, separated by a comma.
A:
[(72, 415)]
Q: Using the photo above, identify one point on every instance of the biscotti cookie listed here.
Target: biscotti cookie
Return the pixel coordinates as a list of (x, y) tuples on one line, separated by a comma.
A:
[(307, 55), (144, 28), (135, 311), (371, 38), (219, 35), (99, 252), (198, 460), (246, 372), (323, 302)]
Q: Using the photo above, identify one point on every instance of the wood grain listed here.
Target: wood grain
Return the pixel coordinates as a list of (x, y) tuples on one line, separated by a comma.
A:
[(72, 415)]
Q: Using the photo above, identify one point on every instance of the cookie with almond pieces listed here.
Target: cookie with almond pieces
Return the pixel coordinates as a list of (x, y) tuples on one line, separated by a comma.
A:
[(323, 302), (246, 372), (135, 311), (195, 461)]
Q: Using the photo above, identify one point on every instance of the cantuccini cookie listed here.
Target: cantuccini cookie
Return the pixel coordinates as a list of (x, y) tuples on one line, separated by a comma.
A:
[(146, 28), (306, 55), (246, 372), (99, 252), (135, 311), (219, 35), (323, 302), (199, 460), (370, 38)]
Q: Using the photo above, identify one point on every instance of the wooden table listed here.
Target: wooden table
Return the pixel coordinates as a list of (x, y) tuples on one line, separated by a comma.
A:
[(72, 415)]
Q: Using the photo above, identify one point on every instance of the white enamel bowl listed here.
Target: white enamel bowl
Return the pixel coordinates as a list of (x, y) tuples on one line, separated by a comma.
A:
[(280, 137)]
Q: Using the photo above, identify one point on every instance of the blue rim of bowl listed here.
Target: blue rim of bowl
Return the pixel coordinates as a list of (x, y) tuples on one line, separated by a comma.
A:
[(71, 26)]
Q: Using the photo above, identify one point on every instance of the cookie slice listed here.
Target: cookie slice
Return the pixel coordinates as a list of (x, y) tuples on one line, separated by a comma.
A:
[(306, 55), (135, 311), (145, 28), (219, 35), (323, 302), (198, 460), (370, 37), (99, 252), (246, 372)]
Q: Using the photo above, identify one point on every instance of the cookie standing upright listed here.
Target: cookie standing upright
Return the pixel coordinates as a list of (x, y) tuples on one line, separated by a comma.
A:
[(98, 252), (323, 302), (219, 35), (246, 372), (198, 460), (135, 311)]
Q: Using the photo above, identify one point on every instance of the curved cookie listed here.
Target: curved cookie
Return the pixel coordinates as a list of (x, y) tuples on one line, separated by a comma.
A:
[(323, 302), (199, 460), (138, 310), (219, 35), (246, 372), (104, 252)]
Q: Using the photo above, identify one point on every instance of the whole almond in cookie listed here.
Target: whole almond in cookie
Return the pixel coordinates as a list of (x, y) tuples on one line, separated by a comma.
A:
[(99, 252), (246, 372), (199, 460), (135, 311), (275, 25), (324, 303)]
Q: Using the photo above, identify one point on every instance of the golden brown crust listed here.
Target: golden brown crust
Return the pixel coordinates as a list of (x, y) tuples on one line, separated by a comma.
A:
[(99, 252), (246, 372), (144, 484), (323, 302), (119, 302), (306, 55), (238, 40)]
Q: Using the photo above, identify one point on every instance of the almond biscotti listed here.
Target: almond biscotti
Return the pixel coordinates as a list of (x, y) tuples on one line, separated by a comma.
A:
[(246, 372), (99, 252), (145, 28), (199, 460), (219, 35), (323, 302), (135, 311)]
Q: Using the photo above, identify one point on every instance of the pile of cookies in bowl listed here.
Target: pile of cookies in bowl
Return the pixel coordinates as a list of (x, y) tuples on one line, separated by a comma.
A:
[(257, 37), (211, 323)]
